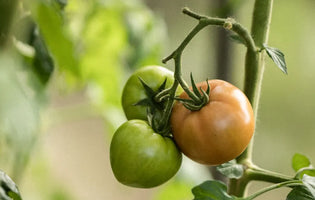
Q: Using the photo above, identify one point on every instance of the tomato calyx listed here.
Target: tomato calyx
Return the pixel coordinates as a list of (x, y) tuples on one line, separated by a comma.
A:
[(149, 101), (155, 109), (203, 97)]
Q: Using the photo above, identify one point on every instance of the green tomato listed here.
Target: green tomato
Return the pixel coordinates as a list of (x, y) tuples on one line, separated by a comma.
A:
[(141, 158), (134, 91)]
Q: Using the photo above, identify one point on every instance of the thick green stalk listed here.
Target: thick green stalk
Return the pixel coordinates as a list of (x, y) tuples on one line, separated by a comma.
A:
[(254, 69), (7, 11), (255, 62)]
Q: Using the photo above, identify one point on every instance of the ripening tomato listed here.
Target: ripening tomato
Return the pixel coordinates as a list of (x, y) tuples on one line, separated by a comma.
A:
[(134, 91), (140, 157), (218, 132)]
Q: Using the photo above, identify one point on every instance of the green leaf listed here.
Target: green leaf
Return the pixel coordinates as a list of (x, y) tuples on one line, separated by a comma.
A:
[(212, 190), (300, 193), (309, 182), (231, 169), (278, 58), (8, 189), (310, 172), (20, 102), (43, 64), (300, 161), (62, 3), (51, 26), (146, 34)]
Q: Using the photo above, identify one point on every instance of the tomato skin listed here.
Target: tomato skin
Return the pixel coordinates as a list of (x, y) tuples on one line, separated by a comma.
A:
[(142, 158), (133, 90), (220, 131)]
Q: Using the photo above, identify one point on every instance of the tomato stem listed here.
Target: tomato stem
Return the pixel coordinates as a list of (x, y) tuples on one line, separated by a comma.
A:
[(254, 70), (204, 21), (291, 183), (254, 61)]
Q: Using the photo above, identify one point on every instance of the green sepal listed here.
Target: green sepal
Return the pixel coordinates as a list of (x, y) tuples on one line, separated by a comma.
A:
[(143, 102), (148, 91), (194, 87), (202, 95), (155, 109), (163, 85)]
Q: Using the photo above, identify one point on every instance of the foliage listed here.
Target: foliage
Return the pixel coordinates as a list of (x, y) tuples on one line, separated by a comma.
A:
[(8, 189), (81, 44)]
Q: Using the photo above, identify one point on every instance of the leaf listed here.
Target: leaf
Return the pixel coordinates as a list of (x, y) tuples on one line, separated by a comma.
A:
[(20, 102), (278, 58), (236, 38), (43, 64), (8, 188), (309, 182), (146, 33), (62, 3), (300, 161), (212, 190), (300, 193), (51, 27), (231, 169)]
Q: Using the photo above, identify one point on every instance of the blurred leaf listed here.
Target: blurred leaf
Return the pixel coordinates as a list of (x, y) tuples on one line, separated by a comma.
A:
[(19, 114), (300, 161), (299, 193), (278, 58), (212, 190), (309, 182), (231, 169), (43, 64), (8, 189), (51, 25), (62, 3), (104, 40), (146, 36)]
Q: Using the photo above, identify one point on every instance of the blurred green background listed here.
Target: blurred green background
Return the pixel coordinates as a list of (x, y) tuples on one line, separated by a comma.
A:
[(61, 78)]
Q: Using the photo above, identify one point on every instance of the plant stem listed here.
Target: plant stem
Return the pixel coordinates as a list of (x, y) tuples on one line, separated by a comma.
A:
[(259, 174), (7, 12), (254, 173), (204, 21), (275, 186), (254, 61), (254, 69)]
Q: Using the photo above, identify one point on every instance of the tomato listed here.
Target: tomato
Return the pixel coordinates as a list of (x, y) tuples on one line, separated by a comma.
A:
[(134, 91), (219, 131), (140, 157)]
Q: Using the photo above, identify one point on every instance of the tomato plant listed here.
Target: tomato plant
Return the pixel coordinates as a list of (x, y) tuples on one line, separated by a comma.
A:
[(142, 158), (133, 91), (220, 130)]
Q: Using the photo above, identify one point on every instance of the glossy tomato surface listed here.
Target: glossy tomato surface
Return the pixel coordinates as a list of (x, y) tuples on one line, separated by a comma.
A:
[(142, 158), (219, 131), (134, 91)]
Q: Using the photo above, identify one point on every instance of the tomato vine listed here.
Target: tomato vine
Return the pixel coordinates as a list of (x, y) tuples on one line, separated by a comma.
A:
[(254, 69)]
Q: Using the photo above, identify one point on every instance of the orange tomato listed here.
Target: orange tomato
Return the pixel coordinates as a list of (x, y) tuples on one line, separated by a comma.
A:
[(218, 132)]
